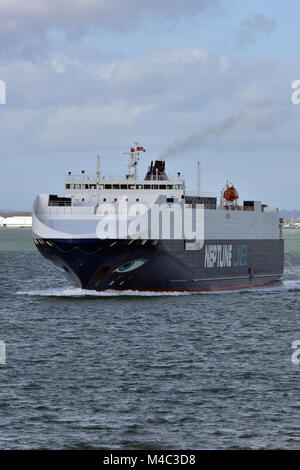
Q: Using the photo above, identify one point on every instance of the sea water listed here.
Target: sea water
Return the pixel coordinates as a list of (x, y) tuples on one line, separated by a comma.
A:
[(88, 370)]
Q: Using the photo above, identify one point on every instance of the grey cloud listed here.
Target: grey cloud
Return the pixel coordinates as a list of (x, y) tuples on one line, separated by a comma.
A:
[(77, 101), (72, 79), (80, 104), (255, 24), (31, 21)]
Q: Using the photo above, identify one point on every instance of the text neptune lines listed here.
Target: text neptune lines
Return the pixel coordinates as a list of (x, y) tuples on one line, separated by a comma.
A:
[(225, 256)]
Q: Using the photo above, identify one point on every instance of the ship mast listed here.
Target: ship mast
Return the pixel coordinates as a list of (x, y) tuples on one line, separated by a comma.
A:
[(98, 178), (134, 157)]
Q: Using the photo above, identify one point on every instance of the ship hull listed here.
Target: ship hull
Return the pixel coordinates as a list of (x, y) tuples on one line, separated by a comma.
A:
[(165, 265)]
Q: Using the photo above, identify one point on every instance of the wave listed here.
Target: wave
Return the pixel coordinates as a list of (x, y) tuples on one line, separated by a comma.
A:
[(77, 292), (285, 285)]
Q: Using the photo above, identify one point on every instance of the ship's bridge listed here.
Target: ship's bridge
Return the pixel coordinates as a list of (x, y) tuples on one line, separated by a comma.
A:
[(77, 184), (110, 190), (84, 188)]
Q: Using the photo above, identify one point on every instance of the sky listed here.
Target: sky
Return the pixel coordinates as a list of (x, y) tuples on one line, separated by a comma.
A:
[(206, 80)]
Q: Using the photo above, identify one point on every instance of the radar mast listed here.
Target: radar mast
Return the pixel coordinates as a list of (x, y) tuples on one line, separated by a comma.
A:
[(134, 157)]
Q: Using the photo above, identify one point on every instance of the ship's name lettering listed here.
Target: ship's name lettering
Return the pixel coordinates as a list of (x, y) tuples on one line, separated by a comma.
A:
[(225, 256)]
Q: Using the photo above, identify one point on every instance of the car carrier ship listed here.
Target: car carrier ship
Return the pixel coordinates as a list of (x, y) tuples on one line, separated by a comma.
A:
[(241, 245)]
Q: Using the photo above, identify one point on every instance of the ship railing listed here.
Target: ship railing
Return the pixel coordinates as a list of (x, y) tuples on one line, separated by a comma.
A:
[(93, 178), (246, 208), (72, 204), (59, 204), (270, 209), (201, 194), (80, 177)]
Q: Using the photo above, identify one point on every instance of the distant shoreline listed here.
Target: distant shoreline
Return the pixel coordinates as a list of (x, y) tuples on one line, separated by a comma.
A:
[(15, 214)]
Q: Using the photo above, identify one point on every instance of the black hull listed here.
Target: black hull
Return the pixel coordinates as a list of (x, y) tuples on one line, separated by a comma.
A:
[(145, 265)]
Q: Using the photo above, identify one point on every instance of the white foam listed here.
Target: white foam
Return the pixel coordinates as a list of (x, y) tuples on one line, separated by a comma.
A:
[(291, 284), (77, 292), (285, 285), (291, 268)]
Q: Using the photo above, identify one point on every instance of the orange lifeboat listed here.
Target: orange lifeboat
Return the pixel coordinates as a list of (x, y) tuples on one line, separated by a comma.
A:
[(230, 194)]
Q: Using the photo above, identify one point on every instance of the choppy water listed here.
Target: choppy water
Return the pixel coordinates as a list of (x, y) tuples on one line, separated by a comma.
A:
[(91, 370)]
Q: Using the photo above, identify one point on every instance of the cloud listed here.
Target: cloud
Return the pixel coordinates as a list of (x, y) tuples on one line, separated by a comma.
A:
[(80, 102), (76, 78), (69, 97), (183, 55), (183, 94), (88, 126), (31, 21), (255, 24)]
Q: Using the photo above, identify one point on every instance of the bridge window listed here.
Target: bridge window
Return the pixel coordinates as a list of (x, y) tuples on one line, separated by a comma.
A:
[(163, 186), (170, 186), (146, 186), (93, 186), (154, 186), (108, 186), (131, 186), (116, 186), (101, 186), (123, 186)]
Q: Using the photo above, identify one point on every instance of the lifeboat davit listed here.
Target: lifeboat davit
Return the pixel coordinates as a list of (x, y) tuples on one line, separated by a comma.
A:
[(230, 194)]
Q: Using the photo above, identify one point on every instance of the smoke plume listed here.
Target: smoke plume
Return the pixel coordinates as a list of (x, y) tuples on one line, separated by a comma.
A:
[(196, 140)]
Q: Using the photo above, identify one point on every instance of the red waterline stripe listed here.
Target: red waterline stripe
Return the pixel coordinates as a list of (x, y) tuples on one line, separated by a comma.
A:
[(197, 289)]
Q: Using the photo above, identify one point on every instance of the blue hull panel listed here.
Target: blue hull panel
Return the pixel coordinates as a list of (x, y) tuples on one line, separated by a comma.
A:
[(165, 265)]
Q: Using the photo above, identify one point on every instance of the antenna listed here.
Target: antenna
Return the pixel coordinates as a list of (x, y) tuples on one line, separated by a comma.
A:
[(98, 178), (133, 160), (198, 178)]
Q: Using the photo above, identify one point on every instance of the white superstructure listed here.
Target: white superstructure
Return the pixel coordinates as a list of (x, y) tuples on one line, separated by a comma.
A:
[(90, 198)]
